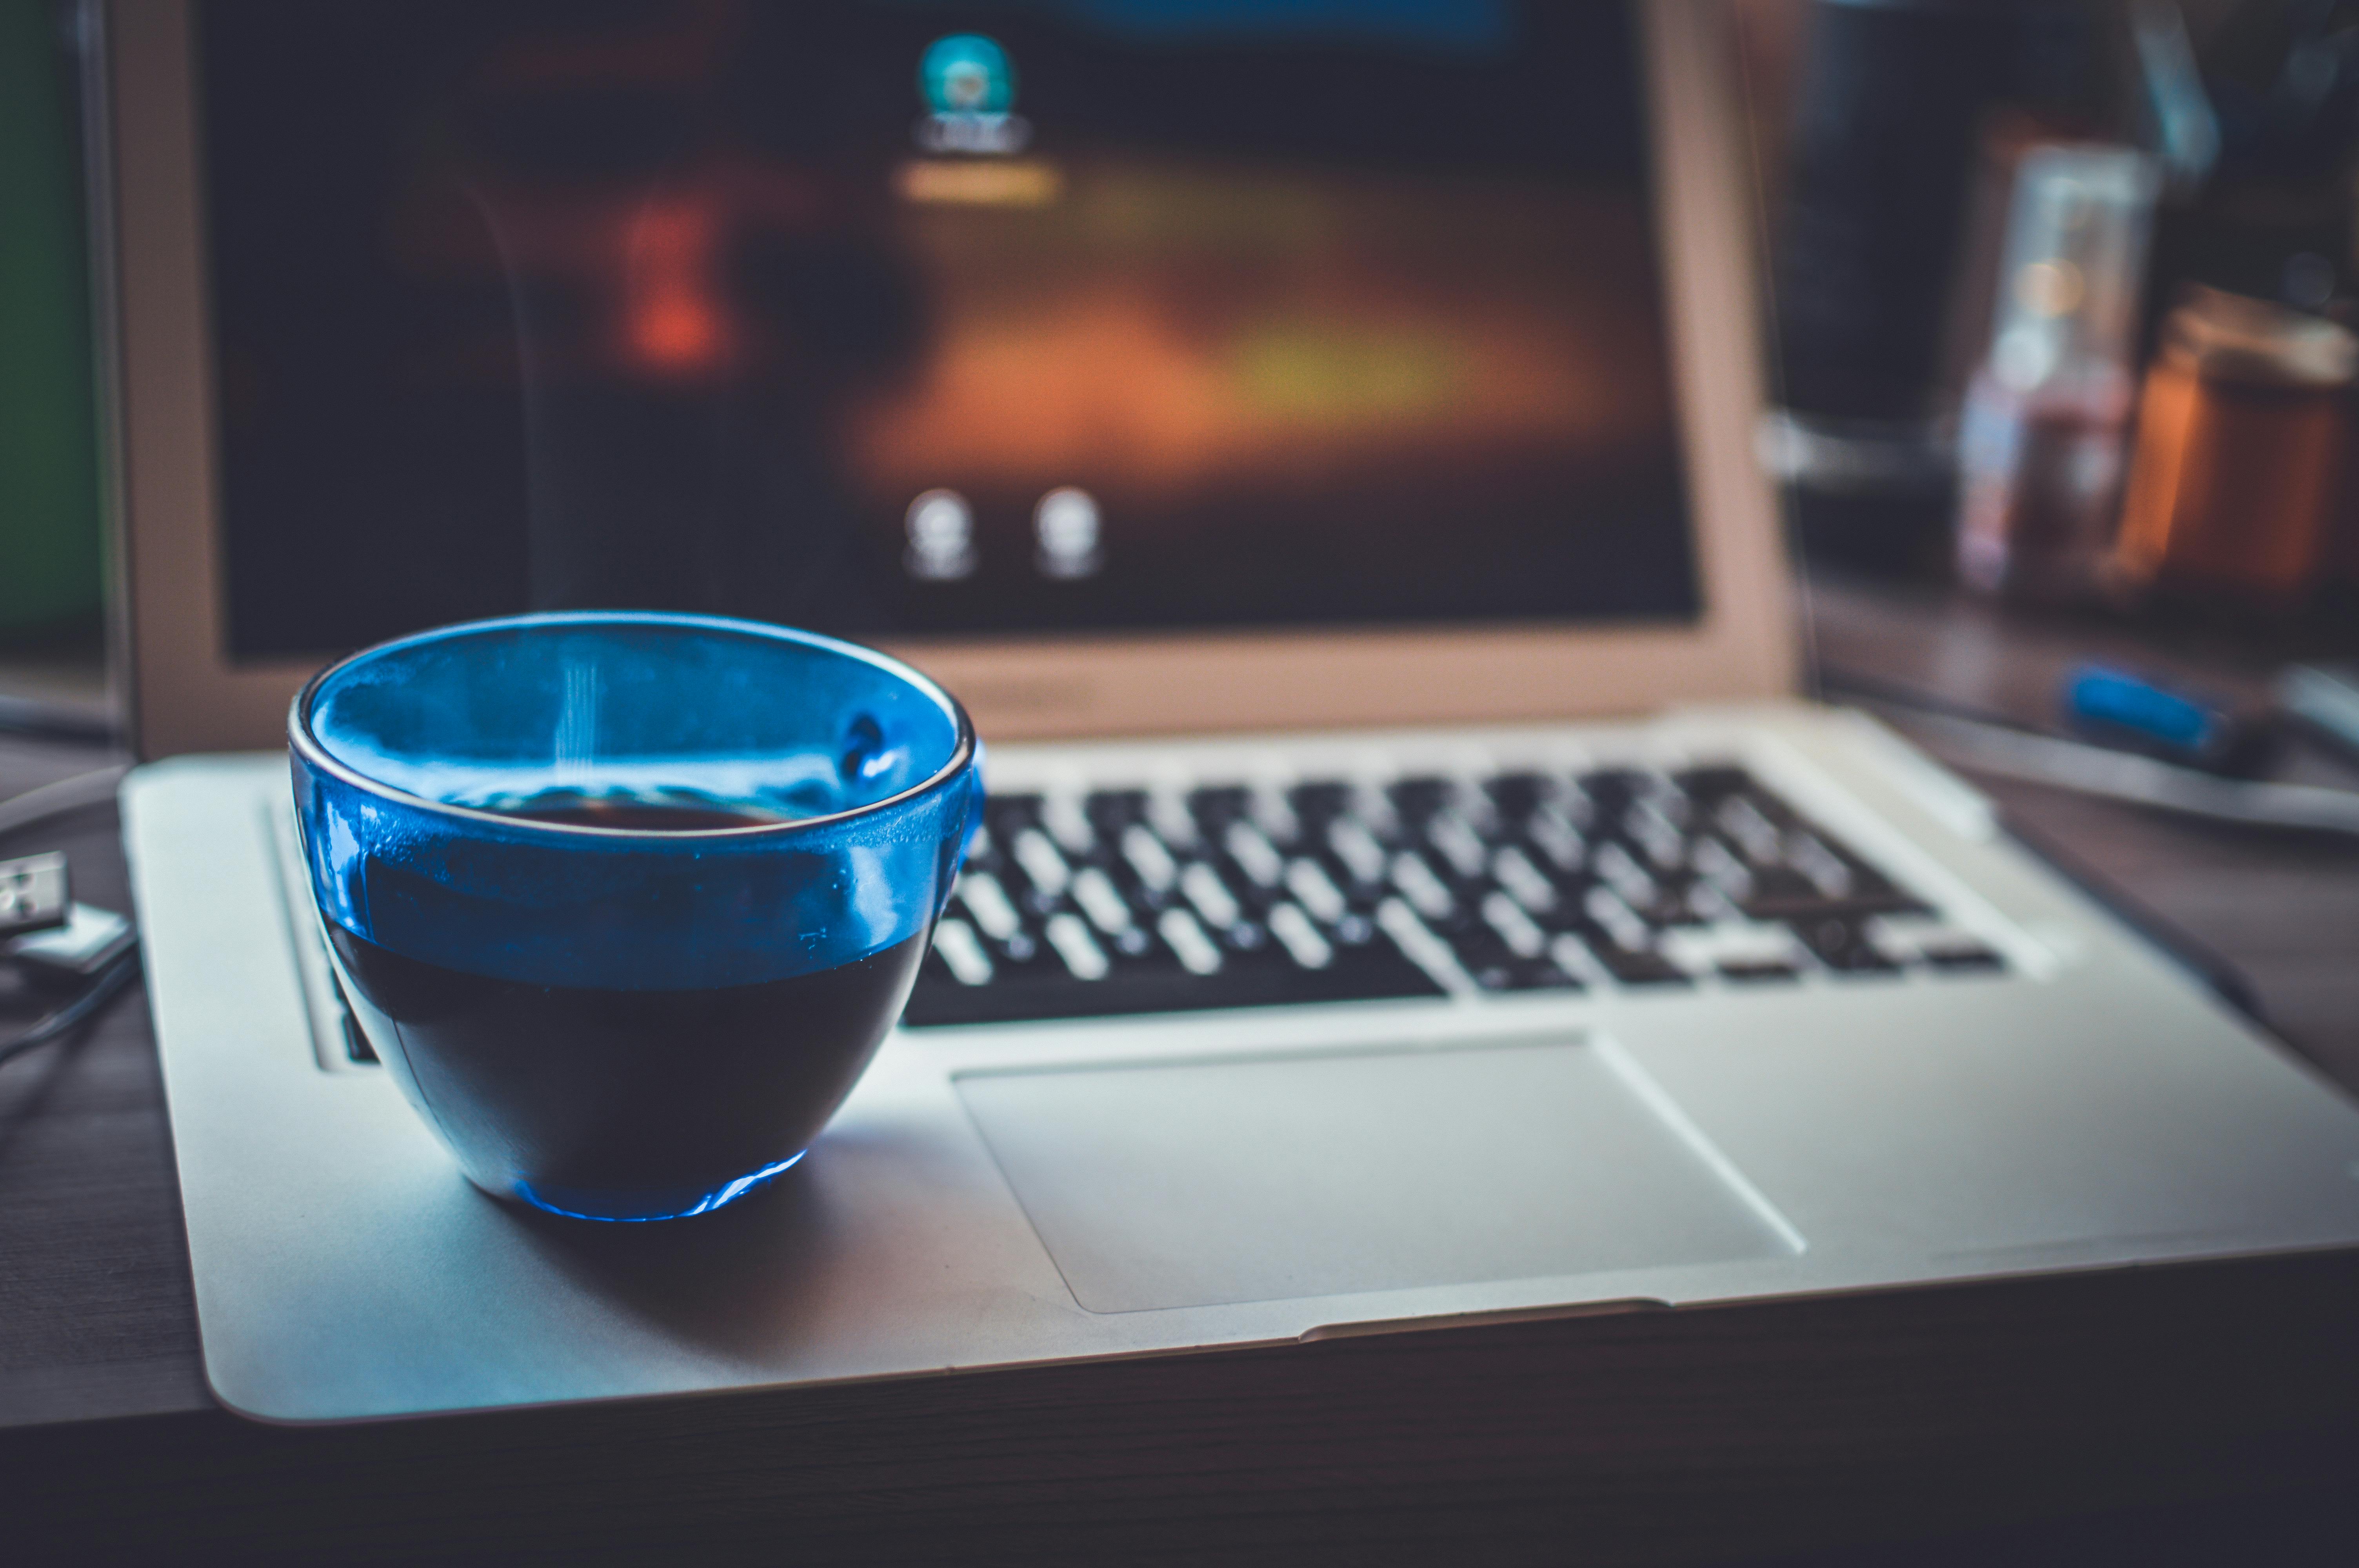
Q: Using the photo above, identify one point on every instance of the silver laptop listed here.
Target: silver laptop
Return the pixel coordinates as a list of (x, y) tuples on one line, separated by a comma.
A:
[(1314, 438)]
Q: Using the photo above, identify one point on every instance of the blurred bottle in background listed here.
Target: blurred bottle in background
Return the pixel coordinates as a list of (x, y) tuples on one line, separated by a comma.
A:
[(2041, 445), (1874, 118), (49, 566), (1885, 103)]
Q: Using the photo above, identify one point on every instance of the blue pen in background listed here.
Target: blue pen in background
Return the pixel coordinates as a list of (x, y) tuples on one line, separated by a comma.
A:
[(2192, 729)]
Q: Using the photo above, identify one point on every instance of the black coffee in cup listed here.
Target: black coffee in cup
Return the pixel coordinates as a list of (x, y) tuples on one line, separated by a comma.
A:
[(651, 1098)]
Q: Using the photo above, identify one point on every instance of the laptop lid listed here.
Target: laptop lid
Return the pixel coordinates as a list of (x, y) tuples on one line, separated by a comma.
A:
[(1130, 366)]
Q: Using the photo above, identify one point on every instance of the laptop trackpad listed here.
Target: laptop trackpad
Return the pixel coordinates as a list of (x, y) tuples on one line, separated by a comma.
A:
[(1172, 1184)]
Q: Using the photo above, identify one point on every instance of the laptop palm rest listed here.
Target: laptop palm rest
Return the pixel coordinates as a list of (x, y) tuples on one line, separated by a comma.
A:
[(1205, 1182)]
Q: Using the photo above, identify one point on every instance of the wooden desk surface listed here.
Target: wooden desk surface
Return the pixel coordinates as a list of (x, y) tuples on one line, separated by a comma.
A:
[(2177, 1411)]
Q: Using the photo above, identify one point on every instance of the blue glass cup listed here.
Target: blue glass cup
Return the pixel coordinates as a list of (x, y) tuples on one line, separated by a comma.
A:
[(627, 901)]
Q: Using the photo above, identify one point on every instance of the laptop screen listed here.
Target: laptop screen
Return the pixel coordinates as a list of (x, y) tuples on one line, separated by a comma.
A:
[(899, 319)]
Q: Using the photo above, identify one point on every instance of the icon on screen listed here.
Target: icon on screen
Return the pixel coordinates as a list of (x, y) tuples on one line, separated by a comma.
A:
[(968, 83), (941, 538), (1066, 525)]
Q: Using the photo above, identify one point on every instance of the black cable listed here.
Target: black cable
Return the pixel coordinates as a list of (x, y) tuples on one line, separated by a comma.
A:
[(65, 1020), (56, 721), (79, 792), (96, 787)]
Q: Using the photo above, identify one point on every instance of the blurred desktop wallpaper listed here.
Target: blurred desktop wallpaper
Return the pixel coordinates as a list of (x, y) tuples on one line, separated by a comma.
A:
[(1017, 318)]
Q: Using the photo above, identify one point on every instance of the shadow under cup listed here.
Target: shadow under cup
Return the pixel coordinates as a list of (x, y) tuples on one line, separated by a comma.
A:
[(626, 902)]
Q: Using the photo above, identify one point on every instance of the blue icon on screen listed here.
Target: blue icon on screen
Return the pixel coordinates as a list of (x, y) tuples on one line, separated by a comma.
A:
[(969, 84), (967, 73)]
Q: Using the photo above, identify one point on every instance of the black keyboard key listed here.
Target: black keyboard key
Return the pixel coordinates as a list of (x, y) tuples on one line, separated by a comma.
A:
[(1518, 795), (1783, 886), (1459, 847), (1637, 965), (1357, 858), (983, 855), (1525, 975), (1657, 899), (1708, 787), (1841, 946), (1354, 974), (1753, 822), (1649, 825), (1319, 802), (1758, 970), (1008, 815), (1959, 958), (1245, 937), (1415, 799), (1216, 807), (1112, 810), (1480, 949), (1613, 789)]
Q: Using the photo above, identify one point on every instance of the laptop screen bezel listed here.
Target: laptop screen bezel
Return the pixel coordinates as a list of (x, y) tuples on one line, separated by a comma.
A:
[(185, 693)]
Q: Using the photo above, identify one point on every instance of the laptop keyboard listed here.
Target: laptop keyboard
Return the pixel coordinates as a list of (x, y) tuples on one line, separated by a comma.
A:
[(1127, 902)]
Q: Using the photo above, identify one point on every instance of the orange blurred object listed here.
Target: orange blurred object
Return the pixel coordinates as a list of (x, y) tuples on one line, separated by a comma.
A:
[(2235, 486), (674, 320)]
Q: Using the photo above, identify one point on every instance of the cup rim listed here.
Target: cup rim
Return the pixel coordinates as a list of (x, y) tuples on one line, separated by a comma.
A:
[(313, 753)]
